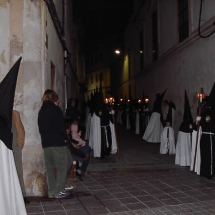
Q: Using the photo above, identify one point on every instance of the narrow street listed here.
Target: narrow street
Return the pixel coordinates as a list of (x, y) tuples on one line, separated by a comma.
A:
[(138, 180)]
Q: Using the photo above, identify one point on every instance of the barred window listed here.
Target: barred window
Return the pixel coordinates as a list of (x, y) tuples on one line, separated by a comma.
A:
[(183, 21)]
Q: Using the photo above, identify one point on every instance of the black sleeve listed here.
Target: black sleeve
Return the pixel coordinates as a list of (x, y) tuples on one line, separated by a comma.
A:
[(61, 122), (74, 141), (75, 151)]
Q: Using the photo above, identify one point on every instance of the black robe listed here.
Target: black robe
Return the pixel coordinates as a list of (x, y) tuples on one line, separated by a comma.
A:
[(106, 140), (207, 145)]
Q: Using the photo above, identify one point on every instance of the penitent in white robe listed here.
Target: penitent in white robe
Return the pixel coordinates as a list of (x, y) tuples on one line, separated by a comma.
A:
[(154, 129), (114, 147), (167, 145), (95, 136), (119, 117), (197, 151), (11, 198), (183, 149)]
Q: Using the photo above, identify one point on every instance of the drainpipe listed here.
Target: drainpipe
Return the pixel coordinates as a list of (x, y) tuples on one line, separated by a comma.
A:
[(65, 53), (65, 79)]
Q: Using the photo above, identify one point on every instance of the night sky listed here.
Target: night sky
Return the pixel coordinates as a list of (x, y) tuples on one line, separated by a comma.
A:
[(103, 17)]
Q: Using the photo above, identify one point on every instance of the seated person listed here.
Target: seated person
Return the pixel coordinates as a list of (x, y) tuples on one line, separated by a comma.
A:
[(78, 150), (76, 132)]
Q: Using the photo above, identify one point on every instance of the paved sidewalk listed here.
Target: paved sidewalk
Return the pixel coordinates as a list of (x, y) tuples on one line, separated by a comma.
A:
[(139, 181)]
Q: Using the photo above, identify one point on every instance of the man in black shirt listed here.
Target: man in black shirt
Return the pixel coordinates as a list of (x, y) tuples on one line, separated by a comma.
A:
[(54, 142)]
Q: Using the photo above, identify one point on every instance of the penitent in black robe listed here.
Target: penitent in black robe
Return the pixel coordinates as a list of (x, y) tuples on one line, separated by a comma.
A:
[(207, 145), (106, 140)]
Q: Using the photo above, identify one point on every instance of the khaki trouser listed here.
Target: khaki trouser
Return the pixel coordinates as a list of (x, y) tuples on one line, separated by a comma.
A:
[(56, 161)]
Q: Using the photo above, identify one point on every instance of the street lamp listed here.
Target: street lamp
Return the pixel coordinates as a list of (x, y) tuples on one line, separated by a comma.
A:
[(147, 100)]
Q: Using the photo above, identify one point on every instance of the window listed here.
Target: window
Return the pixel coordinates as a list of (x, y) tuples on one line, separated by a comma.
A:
[(183, 19), (154, 36), (141, 50)]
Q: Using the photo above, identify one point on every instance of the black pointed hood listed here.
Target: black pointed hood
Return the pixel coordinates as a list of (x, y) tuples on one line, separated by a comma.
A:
[(187, 118), (158, 102), (169, 114), (211, 100), (187, 112), (7, 92)]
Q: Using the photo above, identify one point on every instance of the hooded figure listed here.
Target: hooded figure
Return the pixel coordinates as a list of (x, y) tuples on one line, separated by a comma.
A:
[(207, 139), (155, 127), (167, 145), (101, 139), (183, 146), (12, 202)]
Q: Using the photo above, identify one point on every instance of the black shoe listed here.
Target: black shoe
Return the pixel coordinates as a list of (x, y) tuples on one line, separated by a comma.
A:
[(26, 200), (78, 175)]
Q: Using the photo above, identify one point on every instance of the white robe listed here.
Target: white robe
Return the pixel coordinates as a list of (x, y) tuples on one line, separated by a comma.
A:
[(154, 129), (95, 136), (114, 141), (183, 149), (167, 145), (11, 198), (198, 155), (119, 117)]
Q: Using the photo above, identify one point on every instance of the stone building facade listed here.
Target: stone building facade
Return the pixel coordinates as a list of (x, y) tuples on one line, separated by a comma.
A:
[(28, 29), (169, 44)]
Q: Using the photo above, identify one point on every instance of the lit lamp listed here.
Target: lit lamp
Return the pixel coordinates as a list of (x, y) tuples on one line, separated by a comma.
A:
[(201, 95), (146, 117), (128, 100), (117, 51), (139, 101), (146, 99), (109, 100), (121, 100)]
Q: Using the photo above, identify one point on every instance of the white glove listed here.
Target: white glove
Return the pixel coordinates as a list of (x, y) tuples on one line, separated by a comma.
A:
[(198, 118)]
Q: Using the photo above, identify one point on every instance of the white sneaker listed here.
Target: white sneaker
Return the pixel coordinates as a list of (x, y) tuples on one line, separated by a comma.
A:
[(62, 194), (68, 187)]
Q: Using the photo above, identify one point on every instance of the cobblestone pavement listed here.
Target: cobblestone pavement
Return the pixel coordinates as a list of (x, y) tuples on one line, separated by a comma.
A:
[(138, 180)]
